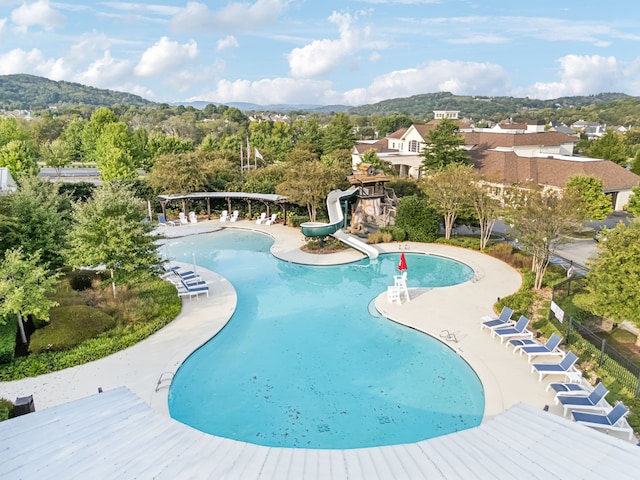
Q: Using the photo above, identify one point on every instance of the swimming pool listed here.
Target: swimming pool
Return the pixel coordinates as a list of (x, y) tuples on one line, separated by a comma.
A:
[(302, 363)]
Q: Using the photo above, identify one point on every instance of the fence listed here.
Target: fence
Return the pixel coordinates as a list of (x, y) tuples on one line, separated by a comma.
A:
[(588, 341)]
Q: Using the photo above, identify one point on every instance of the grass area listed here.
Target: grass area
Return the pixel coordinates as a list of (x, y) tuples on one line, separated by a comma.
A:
[(623, 341)]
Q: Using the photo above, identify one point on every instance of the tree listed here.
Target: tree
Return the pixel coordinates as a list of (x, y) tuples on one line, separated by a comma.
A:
[(371, 157), (485, 209), (609, 147), (38, 220), (92, 130), (54, 154), (19, 158), (417, 218), (180, 173), (447, 192), (109, 231), (309, 186), (614, 275), (338, 134), (539, 221), (592, 202), (633, 207), (392, 123), (24, 287), (444, 146), (635, 163), (113, 153)]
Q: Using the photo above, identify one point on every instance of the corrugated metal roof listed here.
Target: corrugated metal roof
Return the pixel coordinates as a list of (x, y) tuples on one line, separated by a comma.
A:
[(116, 435)]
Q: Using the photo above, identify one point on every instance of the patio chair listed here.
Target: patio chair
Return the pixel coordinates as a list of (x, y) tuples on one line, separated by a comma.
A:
[(262, 218), (183, 219), (187, 289), (503, 320), (518, 330), (224, 216), (550, 348), (562, 368), (192, 217), (163, 222), (271, 220), (593, 401), (613, 421), (567, 388), (234, 216)]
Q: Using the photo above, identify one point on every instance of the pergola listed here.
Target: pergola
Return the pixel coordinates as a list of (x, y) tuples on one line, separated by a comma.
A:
[(265, 198)]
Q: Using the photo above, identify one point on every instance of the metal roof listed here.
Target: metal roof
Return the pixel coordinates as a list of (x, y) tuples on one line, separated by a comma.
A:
[(116, 435)]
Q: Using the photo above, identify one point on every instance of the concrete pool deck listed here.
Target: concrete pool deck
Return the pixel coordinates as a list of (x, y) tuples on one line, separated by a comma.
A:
[(146, 368)]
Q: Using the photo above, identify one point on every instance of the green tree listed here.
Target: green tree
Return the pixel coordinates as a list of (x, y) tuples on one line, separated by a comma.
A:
[(371, 157), (24, 288), (486, 210), (447, 192), (338, 134), (110, 231), (92, 130), (37, 220), (417, 218), (179, 173), (592, 201), (444, 146), (609, 147), (614, 275), (72, 138), (635, 163), (113, 153), (54, 154), (392, 123), (309, 186), (633, 207), (19, 158), (540, 221)]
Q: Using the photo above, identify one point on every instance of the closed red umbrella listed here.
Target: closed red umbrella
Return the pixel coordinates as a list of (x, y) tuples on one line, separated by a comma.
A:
[(403, 263)]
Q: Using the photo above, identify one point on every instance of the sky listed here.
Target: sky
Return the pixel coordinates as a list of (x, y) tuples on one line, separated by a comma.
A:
[(326, 52)]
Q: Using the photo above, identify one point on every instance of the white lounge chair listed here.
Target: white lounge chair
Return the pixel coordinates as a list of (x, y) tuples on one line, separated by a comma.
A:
[(234, 216), (518, 330), (262, 218), (271, 220), (594, 400), (183, 219), (612, 421), (503, 320), (562, 368), (224, 216), (549, 349), (192, 217)]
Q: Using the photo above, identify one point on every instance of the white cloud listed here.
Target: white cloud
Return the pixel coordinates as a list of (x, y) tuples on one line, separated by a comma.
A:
[(582, 75), (228, 42), (86, 48), (37, 13), (322, 56), (461, 78), (105, 72), (33, 62), (234, 17), (272, 91), (165, 56)]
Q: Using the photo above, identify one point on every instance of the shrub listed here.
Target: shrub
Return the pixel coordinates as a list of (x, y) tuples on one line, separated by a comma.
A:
[(68, 327), (398, 234), (6, 409), (509, 254), (420, 221), (379, 237), (461, 241), (296, 220), (8, 332)]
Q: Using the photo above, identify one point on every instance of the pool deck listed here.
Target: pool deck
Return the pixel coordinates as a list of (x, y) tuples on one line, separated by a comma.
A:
[(146, 368)]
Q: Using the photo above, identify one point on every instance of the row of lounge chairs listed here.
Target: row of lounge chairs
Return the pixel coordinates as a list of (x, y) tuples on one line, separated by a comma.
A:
[(264, 220), (225, 217), (573, 397), (187, 282), (183, 220)]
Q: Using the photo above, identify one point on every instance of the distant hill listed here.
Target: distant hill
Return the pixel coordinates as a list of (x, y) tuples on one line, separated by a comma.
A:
[(279, 108), (478, 107), (29, 92)]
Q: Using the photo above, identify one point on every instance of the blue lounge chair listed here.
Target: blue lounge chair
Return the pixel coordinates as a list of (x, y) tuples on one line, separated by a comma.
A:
[(594, 401), (612, 421), (503, 320), (549, 348), (190, 289), (517, 330), (562, 368), (163, 222), (568, 388)]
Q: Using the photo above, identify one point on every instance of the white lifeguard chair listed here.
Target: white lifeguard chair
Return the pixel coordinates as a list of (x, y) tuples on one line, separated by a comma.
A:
[(400, 283)]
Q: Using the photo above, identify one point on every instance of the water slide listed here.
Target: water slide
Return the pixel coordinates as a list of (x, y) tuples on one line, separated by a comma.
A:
[(336, 219)]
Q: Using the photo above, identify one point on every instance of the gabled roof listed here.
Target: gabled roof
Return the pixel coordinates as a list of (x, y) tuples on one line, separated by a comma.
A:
[(486, 140), (116, 435), (507, 167), (379, 146)]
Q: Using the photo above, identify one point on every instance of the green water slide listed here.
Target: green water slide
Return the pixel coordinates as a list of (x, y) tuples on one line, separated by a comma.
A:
[(336, 223)]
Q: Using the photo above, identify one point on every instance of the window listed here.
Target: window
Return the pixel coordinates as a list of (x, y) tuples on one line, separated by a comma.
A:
[(413, 146)]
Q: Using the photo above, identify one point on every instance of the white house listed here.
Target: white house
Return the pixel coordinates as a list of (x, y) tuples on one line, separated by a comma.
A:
[(7, 183)]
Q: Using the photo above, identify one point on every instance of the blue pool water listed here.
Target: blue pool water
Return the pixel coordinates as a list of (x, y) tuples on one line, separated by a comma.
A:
[(302, 362)]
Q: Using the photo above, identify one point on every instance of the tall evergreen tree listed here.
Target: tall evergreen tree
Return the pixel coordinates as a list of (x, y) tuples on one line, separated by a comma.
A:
[(443, 147)]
